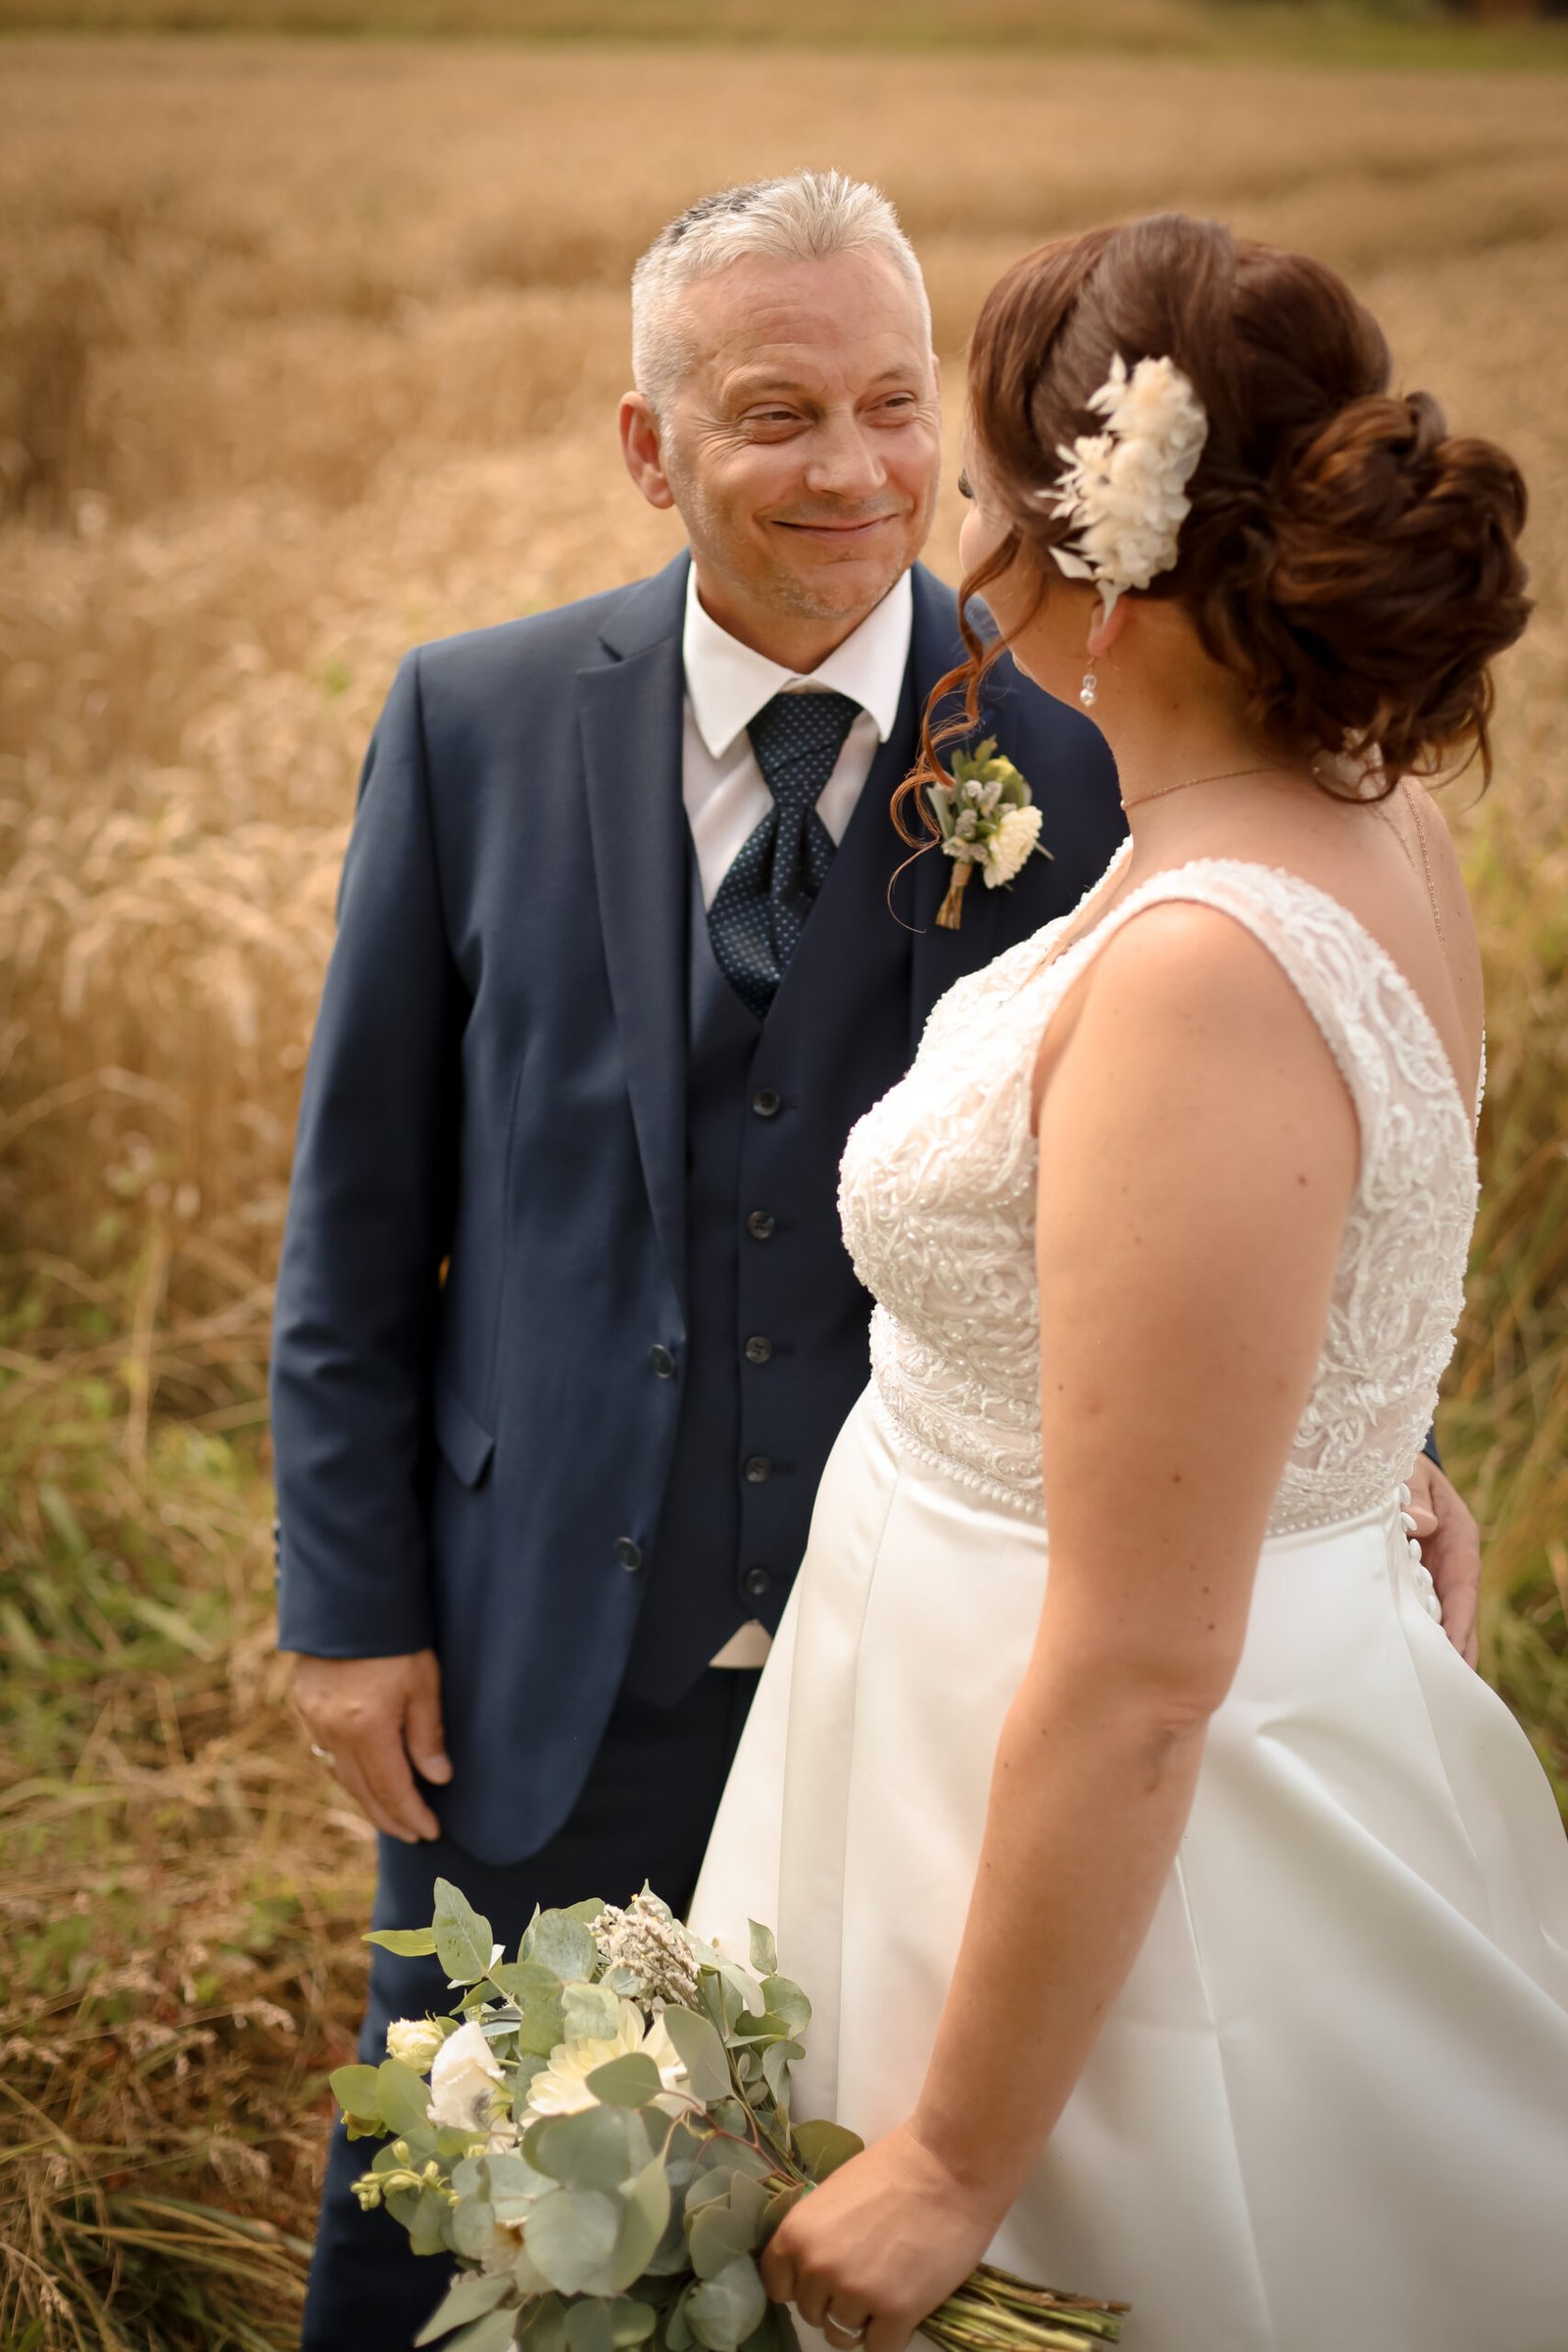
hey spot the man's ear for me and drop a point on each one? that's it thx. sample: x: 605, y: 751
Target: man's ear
x: 642, y: 447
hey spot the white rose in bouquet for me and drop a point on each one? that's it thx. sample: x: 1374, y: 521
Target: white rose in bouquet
x: 463, y: 2078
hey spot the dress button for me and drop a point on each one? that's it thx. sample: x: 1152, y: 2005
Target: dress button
x: 758, y: 1469
x: 757, y: 1581
x: 759, y: 1225
x: 766, y: 1104
x: 662, y: 1363
x: 758, y: 1350
x: 628, y: 1554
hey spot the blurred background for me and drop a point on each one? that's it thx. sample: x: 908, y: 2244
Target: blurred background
x: 311, y: 335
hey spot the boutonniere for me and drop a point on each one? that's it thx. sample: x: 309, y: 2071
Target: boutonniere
x: 988, y: 819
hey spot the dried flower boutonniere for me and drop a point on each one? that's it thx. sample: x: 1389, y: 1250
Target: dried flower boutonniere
x: 988, y: 819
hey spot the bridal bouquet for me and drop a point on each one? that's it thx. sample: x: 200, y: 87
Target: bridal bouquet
x: 601, y: 2133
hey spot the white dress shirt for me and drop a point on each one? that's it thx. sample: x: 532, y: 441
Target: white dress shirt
x: 728, y: 684
x: 726, y: 798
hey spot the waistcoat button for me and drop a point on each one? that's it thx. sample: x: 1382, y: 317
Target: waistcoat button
x: 662, y: 1363
x: 759, y: 1225
x: 758, y: 1350
x: 766, y: 1104
x: 757, y: 1581
x: 758, y: 1469
x: 628, y: 1554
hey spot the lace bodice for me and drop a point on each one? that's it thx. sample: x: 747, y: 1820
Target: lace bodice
x: 938, y: 1185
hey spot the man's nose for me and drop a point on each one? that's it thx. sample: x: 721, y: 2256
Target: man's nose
x: 844, y: 461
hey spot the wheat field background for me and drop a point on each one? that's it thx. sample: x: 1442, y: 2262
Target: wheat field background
x: 309, y: 350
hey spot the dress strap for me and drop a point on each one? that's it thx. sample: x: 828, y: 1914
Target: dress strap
x: 1374, y: 1023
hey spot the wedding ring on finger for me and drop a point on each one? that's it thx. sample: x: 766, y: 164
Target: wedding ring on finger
x: 839, y: 2335
x: 324, y: 1753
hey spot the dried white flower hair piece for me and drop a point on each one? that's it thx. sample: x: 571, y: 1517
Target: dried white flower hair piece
x: 1123, y: 490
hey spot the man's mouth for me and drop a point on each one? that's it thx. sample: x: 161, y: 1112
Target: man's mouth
x: 842, y: 532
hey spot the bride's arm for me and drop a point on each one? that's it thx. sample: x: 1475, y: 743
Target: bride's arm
x: 1198, y: 1153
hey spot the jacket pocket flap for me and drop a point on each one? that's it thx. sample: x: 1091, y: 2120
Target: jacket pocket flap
x: 466, y: 1443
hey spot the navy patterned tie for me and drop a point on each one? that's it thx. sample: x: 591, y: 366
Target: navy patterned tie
x: 761, y: 906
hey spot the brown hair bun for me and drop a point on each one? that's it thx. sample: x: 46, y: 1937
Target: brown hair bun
x: 1384, y: 580
x: 1353, y: 566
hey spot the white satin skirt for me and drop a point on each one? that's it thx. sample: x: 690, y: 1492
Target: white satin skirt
x: 1329, y: 2110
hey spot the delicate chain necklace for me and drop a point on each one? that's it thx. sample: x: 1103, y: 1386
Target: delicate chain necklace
x: 1225, y: 775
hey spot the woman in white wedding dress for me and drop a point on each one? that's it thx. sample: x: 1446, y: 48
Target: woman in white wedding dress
x: 1184, y: 1920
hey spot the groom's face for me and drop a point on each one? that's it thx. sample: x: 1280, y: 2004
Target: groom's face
x: 803, y: 444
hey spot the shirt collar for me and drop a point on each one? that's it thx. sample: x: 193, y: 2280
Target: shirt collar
x: 727, y: 683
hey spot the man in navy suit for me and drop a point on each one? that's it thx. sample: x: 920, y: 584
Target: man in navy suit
x: 564, y: 1325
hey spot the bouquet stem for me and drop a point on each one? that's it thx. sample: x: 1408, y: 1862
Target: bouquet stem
x: 995, y: 2312
x: 950, y: 914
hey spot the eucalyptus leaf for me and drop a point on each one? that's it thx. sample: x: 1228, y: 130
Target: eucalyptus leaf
x: 765, y: 1951
x: 571, y: 2237
x: 824, y: 2146
x: 542, y: 2026
x: 631, y: 2321
x: 411, y: 1943
x: 468, y: 2297
x: 678, y: 2336
x: 493, y: 2333
x: 718, y: 2238
x: 646, y: 2216
x: 589, y: 2328
x: 543, y: 2325
x: 711, y: 2186
x: 599, y: 2148
x: 474, y: 2228
x: 591, y: 2013
x: 563, y: 1943
x: 701, y: 2050
x: 629, y: 2082
x: 776, y: 2064
x: 464, y: 1943
x: 524, y: 1981
x: 724, y: 2311
x: 357, y: 2091
x: 404, y: 2099
x: 587, y: 1911
x: 424, y: 2215
x: 752, y: 2200
x: 787, y: 2003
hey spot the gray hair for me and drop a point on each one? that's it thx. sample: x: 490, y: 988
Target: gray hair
x: 808, y: 217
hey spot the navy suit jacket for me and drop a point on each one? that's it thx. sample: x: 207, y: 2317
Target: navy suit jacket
x: 486, y: 1231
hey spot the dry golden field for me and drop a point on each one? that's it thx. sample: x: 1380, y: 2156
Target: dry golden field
x: 307, y: 352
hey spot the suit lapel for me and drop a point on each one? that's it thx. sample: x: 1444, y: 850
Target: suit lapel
x: 631, y: 718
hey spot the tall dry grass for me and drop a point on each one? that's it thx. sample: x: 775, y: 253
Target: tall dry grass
x: 310, y: 354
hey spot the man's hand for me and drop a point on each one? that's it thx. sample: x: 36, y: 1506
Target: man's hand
x: 1450, y: 1546
x: 373, y: 1716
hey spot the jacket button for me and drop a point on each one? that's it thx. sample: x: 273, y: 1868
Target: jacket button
x: 628, y: 1554
x: 759, y: 1225
x: 757, y: 1581
x: 766, y: 1104
x: 758, y: 1469
x: 759, y: 1350
x: 662, y: 1363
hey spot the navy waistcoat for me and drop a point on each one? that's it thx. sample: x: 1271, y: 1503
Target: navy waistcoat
x: 775, y: 1348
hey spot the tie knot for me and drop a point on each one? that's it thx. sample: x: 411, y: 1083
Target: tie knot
x: 797, y: 738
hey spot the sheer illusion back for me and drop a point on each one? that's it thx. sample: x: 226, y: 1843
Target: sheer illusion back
x: 938, y: 1199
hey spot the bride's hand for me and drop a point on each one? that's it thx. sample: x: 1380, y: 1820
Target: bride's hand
x: 883, y: 2242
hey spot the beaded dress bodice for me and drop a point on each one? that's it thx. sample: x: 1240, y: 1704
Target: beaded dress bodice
x: 938, y: 1197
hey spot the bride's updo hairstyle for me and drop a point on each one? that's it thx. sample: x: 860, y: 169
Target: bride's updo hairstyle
x: 1349, y: 562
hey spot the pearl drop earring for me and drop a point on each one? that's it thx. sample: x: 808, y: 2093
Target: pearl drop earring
x: 1089, y: 691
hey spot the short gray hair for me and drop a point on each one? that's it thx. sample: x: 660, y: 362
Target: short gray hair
x: 807, y: 216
